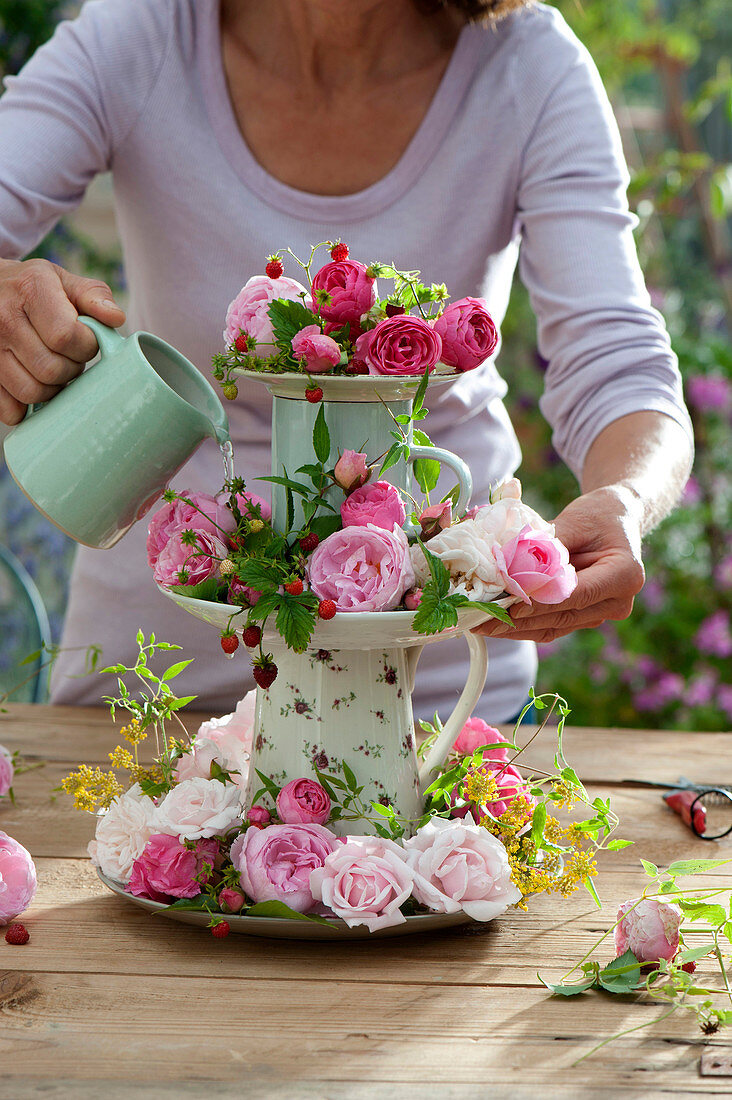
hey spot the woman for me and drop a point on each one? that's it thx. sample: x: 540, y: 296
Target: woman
x: 417, y: 136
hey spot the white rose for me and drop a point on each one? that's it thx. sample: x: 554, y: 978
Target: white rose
x: 199, y: 808
x: 460, y: 866
x: 510, y: 489
x: 122, y: 833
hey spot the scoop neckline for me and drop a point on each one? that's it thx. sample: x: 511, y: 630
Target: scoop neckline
x: 420, y: 151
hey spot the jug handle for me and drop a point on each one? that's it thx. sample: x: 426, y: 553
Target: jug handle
x: 463, y: 708
x: 109, y: 339
x: 458, y: 467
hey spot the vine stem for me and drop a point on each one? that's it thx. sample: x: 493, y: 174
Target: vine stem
x: 628, y: 1031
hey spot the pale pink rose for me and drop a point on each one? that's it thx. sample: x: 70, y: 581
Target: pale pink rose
x: 245, y: 501
x: 458, y: 865
x: 231, y: 901
x: 413, y: 599
x: 17, y: 878
x: 239, y: 724
x: 249, y: 310
x: 400, y: 345
x: 122, y: 832
x: 362, y: 568
x: 648, y: 928
x: 511, y: 787
x: 226, y: 741
x: 179, y: 563
x: 259, y: 816
x: 510, y: 489
x: 204, y: 513
x: 351, y: 471
x: 468, y: 333
x: 364, y: 882
x: 379, y: 503
x: 199, y: 808
x: 351, y: 290
x: 434, y: 519
x: 303, y: 802
x: 7, y: 771
x: 321, y: 353
x: 167, y: 869
x: 477, y: 734
x: 535, y: 565
x: 275, y: 863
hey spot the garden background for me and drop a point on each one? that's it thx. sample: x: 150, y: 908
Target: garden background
x: 667, y: 68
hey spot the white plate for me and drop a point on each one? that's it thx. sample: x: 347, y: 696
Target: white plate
x: 283, y: 929
x: 344, y: 387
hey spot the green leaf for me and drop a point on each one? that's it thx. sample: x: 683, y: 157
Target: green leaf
x: 205, y: 590
x: 438, y: 571
x: 280, y: 910
x: 269, y: 785
x: 323, y: 526
x: 695, y: 953
x: 296, y: 620
x: 493, y: 609
x: 175, y: 670
x: 538, y: 821
x: 571, y: 776
x: 183, y: 701
x: 616, y: 845
x: 296, y: 486
x: 350, y: 777
x: 433, y: 615
x: 694, y: 866
x: 287, y: 319
x: 567, y: 990
x: 715, y: 915
x: 259, y: 574
x: 201, y: 903
x: 622, y: 975
x: 321, y: 436
x: 650, y: 868
x: 727, y: 930
x: 418, y: 403
x: 426, y: 470
x: 590, y: 887
x: 264, y: 607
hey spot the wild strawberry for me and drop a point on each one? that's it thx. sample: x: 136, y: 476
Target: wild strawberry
x: 265, y: 672
x: 394, y: 311
x: 274, y: 267
x: 357, y: 366
x: 339, y: 252
x: 251, y: 636
x: 241, y: 342
x: 326, y: 609
x: 689, y: 967
x: 227, y: 567
x: 229, y: 643
x: 17, y: 934
x: 294, y: 587
x: 221, y: 929
x: 314, y: 394
x: 230, y: 391
x: 309, y: 542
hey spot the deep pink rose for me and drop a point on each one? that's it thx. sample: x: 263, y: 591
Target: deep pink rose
x: 535, y: 565
x: 303, y: 802
x: 275, y: 863
x: 250, y: 309
x: 7, y: 771
x: 511, y: 787
x: 259, y: 816
x: 400, y: 345
x: 231, y: 901
x: 379, y: 503
x: 17, y: 878
x: 648, y: 928
x: 204, y: 513
x: 362, y: 568
x: 179, y: 563
x: 435, y: 519
x: 468, y: 334
x: 167, y: 869
x: 351, y: 471
x: 321, y: 353
x: 476, y: 734
x: 351, y: 290
x: 364, y: 882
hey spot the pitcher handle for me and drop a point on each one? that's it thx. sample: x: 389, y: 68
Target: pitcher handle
x: 109, y: 339
x: 458, y: 467
x: 463, y: 709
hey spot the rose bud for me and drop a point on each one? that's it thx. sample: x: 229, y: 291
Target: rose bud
x: 232, y: 900
x: 435, y: 518
x: 259, y: 816
x: 648, y: 928
x: 413, y: 599
x: 351, y: 471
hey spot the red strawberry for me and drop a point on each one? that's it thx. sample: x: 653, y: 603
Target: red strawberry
x: 689, y: 967
x: 294, y: 587
x: 309, y: 542
x: 221, y: 929
x: 357, y: 366
x: 274, y: 267
x: 251, y: 636
x: 339, y: 251
x: 326, y: 609
x: 17, y: 934
x: 229, y: 643
x: 394, y: 311
x: 265, y: 673
x: 314, y: 394
x: 241, y: 342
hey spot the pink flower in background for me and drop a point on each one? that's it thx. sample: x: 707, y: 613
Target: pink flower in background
x: 321, y: 353
x: 714, y: 637
x: 122, y: 833
x: 250, y: 309
x: 303, y: 802
x: 379, y: 503
x: 167, y: 869
x: 199, y: 808
x: 351, y: 290
x: 666, y: 689
x: 692, y: 493
x: 434, y: 519
x: 700, y: 689
x: 458, y: 865
x: 362, y: 568
x: 653, y: 594
x: 205, y: 513
x: 352, y: 471
x: 244, y: 503
x: 476, y: 734
x: 511, y: 786
x: 364, y: 882
x: 7, y: 771
x: 413, y: 599
x: 708, y: 393
x: 468, y: 333
x: 648, y: 928
x: 400, y: 345
x: 724, y: 699
x: 535, y: 565
x: 17, y: 878
x: 179, y: 563
x: 275, y: 863
x: 723, y: 575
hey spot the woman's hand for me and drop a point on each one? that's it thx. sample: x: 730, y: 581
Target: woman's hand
x: 42, y: 343
x: 602, y: 531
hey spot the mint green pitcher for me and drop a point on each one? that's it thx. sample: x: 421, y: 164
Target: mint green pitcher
x: 96, y: 456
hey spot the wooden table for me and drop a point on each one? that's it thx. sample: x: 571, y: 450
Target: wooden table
x: 107, y: 1001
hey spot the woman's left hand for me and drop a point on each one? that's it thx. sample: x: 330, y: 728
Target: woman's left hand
x: 602, y: 531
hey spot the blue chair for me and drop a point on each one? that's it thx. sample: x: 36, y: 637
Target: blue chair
x: 24, y: 628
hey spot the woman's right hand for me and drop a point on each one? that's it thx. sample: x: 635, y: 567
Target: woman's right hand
x: 43, y: 345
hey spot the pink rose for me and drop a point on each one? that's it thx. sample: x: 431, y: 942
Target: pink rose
x: 7, y: 771
x: 231, y: 901
x: 303, y: 802
x: 511, y: 787
x: 204, y: 513
x: 379, y: 504
x: 259, y: 816
x: 226, y: 741
x: 238, y: 725
x: 364, y: 882
x: 321, y: 353
x: 362, y: 568
x: 535, y: 565
x: 351, y: 471
x: 413, y: 599
x: 435, y: 519
x: 468, y: 334
x: 17, y: 878
x: 351, y: 290
x: 167, y: 869
x: 239, y: 593
x: 199, y: 808
x: 179, y: 563
x: 648, y: 928
x: 459, y: 865
x: 275, y: 863
x: 244, y: 503
x: 250, y: 309
x: 477, y: 734
x: 400, y: 345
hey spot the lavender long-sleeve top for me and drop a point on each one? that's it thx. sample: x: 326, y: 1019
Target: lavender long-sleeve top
x: 518, y: 158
